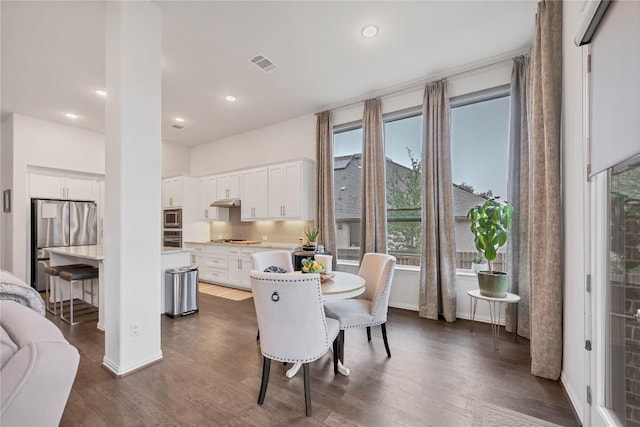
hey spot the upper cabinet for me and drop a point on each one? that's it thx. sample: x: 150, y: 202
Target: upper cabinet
x: 172, y: 192
x: 254, y: 186
x: 207, y: 194
x: 62, y: 186
x: 228, y: 186
x: 181, y: 192
x: 291, y: 191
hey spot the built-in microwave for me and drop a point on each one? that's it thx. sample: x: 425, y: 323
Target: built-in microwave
x: 172, y: 218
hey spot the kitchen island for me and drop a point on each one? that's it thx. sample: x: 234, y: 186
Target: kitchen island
x: 94, y: 255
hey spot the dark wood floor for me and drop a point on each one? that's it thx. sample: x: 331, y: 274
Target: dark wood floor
x: 210, y: 375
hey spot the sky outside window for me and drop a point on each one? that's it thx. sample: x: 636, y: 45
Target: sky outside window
x: 480, y: 145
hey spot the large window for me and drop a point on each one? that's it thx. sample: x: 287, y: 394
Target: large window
x: 347, y: 187
x: 479, y: 149
x: 479, y: 156
x: 403, y: 150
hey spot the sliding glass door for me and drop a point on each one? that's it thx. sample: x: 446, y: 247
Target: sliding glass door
x: 622, y: 361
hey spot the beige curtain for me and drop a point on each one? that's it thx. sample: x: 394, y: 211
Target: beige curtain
x: 325, y: 211
x: 546, y: 214
x: 437, y: 270
x: 373, y: 228
x: 518, y: 195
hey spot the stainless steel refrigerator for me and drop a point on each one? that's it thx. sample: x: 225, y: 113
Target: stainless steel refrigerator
x: 57, y: 223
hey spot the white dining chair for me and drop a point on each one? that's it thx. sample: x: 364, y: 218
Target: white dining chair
x: 372, y: 307
x: 292, y: 323
x: 263, y: 260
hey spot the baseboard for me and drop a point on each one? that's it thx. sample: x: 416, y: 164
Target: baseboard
x: 404, y: 306
x: 120, y: 372
x: 467, y: 316
x: 573, y: 399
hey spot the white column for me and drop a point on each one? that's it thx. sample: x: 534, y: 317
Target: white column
x: 133, y: 177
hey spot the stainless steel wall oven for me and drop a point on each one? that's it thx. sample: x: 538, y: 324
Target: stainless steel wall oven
x: 172, y: 238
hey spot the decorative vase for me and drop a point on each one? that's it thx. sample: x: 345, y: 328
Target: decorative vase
x: 494, y: 284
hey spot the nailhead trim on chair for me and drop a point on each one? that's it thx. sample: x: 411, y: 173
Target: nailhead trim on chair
x: 324, y: 321
x: 376, y: 308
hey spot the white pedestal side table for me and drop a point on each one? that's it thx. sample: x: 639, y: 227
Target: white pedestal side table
x: 495, y: 309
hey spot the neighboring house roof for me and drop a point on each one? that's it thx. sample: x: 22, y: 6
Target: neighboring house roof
x: 348, y: 177
x: 463, y: 200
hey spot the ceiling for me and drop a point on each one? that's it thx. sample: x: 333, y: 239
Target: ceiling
x: 53, y: 56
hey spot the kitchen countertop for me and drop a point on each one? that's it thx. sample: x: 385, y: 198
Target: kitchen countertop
x: 96, y: 252
x: 254, y: 245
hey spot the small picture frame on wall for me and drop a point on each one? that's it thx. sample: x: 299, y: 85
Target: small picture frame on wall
x: 6, y: 200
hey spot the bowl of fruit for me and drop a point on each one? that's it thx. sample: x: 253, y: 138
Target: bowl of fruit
x: 311, y: 266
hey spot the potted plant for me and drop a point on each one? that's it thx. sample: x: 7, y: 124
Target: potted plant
x: 490, y: 224
x: 312, y: 235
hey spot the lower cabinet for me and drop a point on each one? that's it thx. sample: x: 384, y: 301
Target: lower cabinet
x: 239, y: 267
x: 224, y: 265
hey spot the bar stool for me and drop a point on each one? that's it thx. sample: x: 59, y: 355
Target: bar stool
x: 53, y: 273
x: 72, y: 275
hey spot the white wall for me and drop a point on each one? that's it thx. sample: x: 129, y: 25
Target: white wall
x: 176, y: 159
x: 289, y: 140
x: 575, y: 206
x: 28, y: 142
x: 6, y: 178
x: 473, y: 81
x: 44, y: 144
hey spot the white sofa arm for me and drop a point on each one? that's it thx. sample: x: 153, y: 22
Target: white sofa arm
x: 37, y: 378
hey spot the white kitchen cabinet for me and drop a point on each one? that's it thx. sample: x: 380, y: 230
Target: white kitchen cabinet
x: 207, y: 194
x: 62, y: 186
x: 172, y: 192
x: 182, y: 192
x: 240, y: 265
x: 210, y: 260
x: 215, y: 268
x: 254, y: 194
x: 228, y: 265
x: 81, y: 189
x: 235, y: 268
x: 228, y: 186
x: 291, y: 191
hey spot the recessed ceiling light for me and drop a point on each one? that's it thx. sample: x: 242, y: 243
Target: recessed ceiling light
x: 101, y: 93
x: 369, y: 31
x: 71, y: 116
x: 179, y: 119
x: 230, y: 98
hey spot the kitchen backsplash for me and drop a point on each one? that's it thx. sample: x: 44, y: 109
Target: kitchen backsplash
x: 276, y: 231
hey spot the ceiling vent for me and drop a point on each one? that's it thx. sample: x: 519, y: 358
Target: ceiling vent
x: 177, y: 127
x: 263, y: 63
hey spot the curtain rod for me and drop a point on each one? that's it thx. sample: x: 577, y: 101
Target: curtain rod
x: 420, y: 83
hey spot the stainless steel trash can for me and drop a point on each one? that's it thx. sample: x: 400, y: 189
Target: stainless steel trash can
x: 181, y: 291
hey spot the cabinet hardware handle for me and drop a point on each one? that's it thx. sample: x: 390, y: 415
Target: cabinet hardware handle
x: 206, y: 213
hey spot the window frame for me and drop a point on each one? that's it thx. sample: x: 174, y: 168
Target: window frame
x: 484, y: 95
x: 394, y: 116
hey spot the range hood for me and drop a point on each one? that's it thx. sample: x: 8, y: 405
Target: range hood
x: 226, y: 203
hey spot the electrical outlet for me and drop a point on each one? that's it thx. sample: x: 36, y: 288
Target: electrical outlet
x: 135, y: 329
x: 265, y: 238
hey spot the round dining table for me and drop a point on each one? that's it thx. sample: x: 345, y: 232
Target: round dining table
x: 336, y: 285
